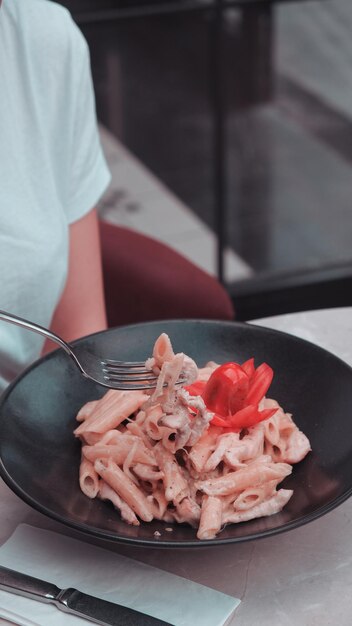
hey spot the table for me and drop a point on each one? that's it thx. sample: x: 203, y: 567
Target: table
x: 299, y: 578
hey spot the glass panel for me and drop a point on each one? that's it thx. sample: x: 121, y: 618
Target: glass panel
x: 288, y: 93
x: 290, y: 181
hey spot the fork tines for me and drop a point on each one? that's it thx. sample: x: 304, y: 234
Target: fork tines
x: 130, y: 374
x: 125, y: 364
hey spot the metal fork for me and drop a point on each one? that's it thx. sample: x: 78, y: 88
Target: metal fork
x: 124, y: 375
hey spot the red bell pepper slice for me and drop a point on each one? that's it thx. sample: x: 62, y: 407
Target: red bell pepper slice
x: 226, y: 389
x: 219, y: 421
x: 259, y: 384
x: 245, y: 418
x: 196, y: 388
x: 249, y: 416
x: 248, y: 367
x: 233, y: 393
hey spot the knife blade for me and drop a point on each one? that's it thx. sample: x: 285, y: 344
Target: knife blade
x: 72, y: 601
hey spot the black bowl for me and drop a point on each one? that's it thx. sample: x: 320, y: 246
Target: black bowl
x: 40, y: 456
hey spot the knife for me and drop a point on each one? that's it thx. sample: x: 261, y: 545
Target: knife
x: 73, y: 601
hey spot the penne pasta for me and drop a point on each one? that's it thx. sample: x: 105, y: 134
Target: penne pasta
x: 187, y: 511
x: 167, y: 456
x: 225, y: 445
x: 107, y: 493
x: 112, y: 413
x: 252, y: 496
x: 145, y: 472
x: 175, y: 485
x: 163, y: 350
x: 118, y: 452
x: 124, y: 487
x: 86, y: 410
x: 151, y: 424
x: 159, y: 505
x: 254, y: 474
x: 88, y: 478
x: 297, y: 447
x: 210, y: 518
x: 202, y: 450
x: 269, y: 507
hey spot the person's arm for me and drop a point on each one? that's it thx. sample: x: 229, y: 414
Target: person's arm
x: 81, y: 309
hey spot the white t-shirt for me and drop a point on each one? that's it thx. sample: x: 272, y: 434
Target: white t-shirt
x: 52, y: 170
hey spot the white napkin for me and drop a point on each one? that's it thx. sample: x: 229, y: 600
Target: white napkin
x: 68, y: 562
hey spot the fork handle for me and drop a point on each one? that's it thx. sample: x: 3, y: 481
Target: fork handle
x: 20, y: 321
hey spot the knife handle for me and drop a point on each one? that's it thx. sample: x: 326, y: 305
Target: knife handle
x: 28, y: 586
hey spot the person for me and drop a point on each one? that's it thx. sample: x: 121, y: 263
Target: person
x: 52, y: 174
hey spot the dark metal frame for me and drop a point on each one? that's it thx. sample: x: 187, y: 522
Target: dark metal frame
x: 316, y: 289
x: 257, y: 25
x: 215, y: 8
x: 162, y: 8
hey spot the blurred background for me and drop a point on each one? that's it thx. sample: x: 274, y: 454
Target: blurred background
x: 228, y: 130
